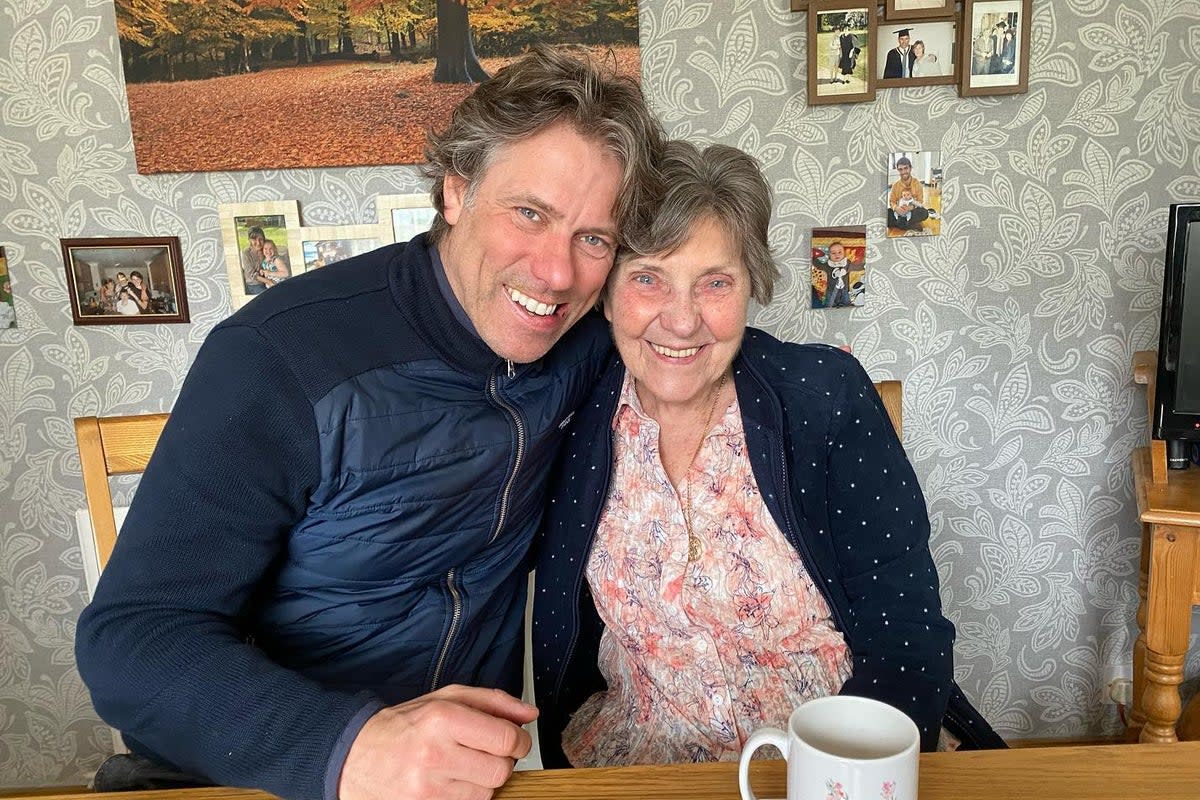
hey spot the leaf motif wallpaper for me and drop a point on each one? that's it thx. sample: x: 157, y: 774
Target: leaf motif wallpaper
x: 1013, y: 331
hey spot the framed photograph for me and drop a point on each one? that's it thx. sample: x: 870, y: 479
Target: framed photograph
x: 122, y: 281
x: 403, y: 216
x: 8, y: 311
x: 262, y: 246
x: 839, y: 266
x: 841, y: 44
x: 914, y: 194
x: 994, y: 43
x: 322, y: 245
x: 918, y: 9
x: 918, y: 53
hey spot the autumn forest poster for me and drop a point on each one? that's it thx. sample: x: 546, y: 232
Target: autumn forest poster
x: 217, y: 85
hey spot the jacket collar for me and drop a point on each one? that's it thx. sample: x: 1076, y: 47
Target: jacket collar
x: 416, y: 294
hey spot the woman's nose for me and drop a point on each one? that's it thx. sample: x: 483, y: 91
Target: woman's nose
x: 682, y: 314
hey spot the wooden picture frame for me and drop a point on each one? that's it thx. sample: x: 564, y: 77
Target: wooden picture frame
x: 992, y: 58
x: 901, y: 10
x: 321, y: 245
x: 278, y: 221
x: 840, y: 63
x: 125, y: 280
x: 403, y: 216
x: 938, y: 38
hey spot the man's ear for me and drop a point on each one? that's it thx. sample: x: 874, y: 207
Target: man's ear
x: 454, y: 197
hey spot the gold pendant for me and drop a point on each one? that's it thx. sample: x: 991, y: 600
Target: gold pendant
x: 693, y: 547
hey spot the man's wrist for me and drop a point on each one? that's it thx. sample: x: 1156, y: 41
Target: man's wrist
x: 341, y: 748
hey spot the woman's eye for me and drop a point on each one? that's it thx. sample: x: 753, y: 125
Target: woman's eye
x: 645, y: 280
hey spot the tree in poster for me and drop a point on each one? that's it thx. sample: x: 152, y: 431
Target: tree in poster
x: 456, y: 59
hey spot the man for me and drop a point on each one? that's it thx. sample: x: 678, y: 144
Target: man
x: 905, y: 215
x: 252, y: 258
x: 900, y: 58
x: 331, y: 537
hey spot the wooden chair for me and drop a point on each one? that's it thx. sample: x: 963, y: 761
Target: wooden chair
x: 112, y: 446
x: 893, y: 400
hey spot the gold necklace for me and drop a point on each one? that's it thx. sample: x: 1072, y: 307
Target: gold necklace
x: 694, y: 545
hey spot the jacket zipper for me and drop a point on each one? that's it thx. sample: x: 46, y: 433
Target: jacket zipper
x: 805, y: 555
x: 512, y: 477
x: 455, y: 617
x: 455, y: 595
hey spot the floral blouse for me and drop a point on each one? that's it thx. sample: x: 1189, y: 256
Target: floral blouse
x: 697, y: 655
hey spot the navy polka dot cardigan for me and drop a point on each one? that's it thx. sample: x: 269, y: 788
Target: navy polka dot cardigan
x: 838, y: 484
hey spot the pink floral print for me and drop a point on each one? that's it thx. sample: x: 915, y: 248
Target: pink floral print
x: 696, y: 654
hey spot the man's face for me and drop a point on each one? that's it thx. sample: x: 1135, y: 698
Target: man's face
x: 905, y: 171
x: 903, y: 41
x: 837, y: 252
x: 531, y: 243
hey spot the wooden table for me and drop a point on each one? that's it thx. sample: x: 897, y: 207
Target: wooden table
x: 1107, y: 772
x: 1168, y: 587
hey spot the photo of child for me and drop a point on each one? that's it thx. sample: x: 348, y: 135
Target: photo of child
x: 839, y: 266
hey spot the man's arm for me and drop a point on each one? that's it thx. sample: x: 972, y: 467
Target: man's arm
x: 162, y: 647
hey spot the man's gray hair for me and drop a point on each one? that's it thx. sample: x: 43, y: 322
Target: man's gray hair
x: 544, y: 87
x: 720, y: 182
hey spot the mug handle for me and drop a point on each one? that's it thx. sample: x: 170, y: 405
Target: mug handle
x: 760, y: 737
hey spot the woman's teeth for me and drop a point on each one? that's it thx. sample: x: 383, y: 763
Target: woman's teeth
x: 531, y: 305
x: 669, y: 353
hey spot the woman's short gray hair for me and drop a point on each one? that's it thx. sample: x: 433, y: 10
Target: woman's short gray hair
x: 720, y: 182
x: 544, y: 87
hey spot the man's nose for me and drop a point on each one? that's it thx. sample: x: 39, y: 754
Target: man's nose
x: 553, y: 263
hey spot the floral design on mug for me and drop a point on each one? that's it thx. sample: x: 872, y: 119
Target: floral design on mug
x: 834, y: 790
x: 889, y: 791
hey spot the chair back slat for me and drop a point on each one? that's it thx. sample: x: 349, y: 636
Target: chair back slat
x: 112, y: 446
x: 892, y: 395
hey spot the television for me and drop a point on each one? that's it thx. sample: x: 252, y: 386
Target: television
x: 1177, y: 392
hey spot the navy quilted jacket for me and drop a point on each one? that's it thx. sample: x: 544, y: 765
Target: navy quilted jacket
x: 837, y: 483
x: 337, y: 517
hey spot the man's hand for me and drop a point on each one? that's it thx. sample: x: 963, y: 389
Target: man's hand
x: 458, y: 743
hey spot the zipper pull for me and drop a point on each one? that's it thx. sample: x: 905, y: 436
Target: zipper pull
x: 511, y: 370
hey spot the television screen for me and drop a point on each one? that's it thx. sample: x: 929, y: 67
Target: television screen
x: 1187, y: 381
x: 1177, y: 394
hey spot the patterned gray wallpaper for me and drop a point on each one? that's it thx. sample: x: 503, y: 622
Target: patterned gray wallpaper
x: 1013, y: 330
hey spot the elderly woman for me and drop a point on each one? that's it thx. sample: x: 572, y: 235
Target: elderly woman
x: 735, y: 528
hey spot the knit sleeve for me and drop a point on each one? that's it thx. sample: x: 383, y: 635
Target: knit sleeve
x: 163, y: 645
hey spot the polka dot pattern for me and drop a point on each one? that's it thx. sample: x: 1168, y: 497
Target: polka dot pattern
x: 838, y: 484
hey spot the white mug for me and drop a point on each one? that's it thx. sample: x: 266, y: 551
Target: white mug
x: 842, y: 748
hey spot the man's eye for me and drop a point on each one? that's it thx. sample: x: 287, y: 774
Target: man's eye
x: 645, y: 280
x: 593, y: 241
x: 528, y: 213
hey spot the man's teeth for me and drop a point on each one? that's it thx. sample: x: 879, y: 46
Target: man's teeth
x: 531, y: 305
x: 669, y: 353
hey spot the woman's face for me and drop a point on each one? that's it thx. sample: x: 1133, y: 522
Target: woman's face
x: 918, y: 50
x: 678, y: 319
x: 136, y: 280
